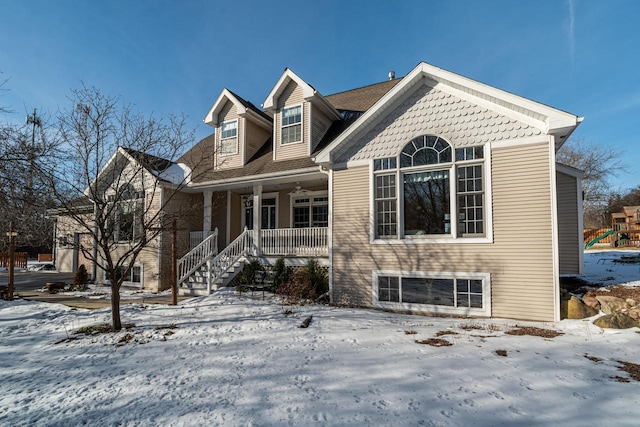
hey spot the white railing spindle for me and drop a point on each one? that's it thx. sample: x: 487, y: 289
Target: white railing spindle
x: 310, y: 241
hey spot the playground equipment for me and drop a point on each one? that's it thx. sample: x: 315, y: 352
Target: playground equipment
x: 597, y: 239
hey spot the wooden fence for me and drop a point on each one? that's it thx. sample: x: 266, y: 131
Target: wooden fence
x: 592, y: 233
x: 20, y: 259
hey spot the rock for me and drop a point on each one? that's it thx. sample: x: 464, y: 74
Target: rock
x: 634, y: 312
x: 576, y: 309
x: 610, y: 305
x: 591, y: 301
x: 615, y: 321
x: 54, y: 287
x: 631, y: 302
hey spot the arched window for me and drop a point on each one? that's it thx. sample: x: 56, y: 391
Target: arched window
x: 425, y: 150
x: 417, y: 198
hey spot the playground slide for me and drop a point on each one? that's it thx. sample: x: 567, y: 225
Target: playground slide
x: 597, y: 239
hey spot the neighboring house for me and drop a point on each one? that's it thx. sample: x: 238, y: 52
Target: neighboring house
x: 431, y: 193
x: 626, y: 227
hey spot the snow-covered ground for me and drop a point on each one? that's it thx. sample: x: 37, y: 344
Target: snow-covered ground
x: 234, y: 360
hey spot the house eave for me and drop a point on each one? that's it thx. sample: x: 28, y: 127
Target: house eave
x: 244, y: 181
x: 547, y: 119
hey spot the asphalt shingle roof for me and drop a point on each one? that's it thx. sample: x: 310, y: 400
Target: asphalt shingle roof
x: 200, y: 158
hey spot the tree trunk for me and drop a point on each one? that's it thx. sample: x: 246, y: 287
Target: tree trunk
x: 116, y: 323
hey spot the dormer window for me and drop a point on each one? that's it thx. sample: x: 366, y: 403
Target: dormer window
x: 229, y: 137
x: 291, y: 125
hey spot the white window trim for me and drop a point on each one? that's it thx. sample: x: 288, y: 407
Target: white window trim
x: 434, y: 239
x: 427, y: 308
x: 222, y: 154
x: 302, y: 132
x: 306, y: 195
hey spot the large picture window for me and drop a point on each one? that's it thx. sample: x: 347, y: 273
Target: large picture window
x: 439, y: 292
x: 430, y: 190
x: 291, y: 130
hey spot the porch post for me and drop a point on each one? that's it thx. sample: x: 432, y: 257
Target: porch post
x: 257, y: 210
x: 206, y: 222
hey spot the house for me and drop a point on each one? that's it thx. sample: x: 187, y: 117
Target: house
x: 430, y: 193
x: 626, y: 227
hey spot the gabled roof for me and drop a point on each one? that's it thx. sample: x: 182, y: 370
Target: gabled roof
x: 151, y: 163
x: 547, y: 119
x: 243, y: 107
x: 362, y: 98
x: 308, y: 93
x: 630, y: 210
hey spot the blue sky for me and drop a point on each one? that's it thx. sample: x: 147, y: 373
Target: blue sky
x: 581, y: 56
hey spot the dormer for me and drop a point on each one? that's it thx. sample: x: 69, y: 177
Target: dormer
x: 240, y: 130
x: 301, y: 117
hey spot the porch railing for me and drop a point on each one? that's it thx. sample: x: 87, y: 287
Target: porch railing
x: 311, y: 241
x: 197, y: 237
x: 195, y: 257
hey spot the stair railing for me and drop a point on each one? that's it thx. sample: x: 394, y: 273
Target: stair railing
x: 222, y: 262
x: 197, y: 257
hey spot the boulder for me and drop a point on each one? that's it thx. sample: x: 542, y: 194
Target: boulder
x: 54, y: 287
x: 634, y: 312
x: 631, y: 302
x: 615, y: 321
x: 610, y: 305
x: 576, y: 309
x: 591, y: 301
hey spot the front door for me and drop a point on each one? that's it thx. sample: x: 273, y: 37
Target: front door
x: 268, y: 213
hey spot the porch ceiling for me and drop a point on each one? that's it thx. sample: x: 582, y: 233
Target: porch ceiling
x: 313, y: 178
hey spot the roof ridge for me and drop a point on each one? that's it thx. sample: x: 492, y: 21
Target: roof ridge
x: 363, y: 87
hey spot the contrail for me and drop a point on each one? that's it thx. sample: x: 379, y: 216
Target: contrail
x: 572, y: 38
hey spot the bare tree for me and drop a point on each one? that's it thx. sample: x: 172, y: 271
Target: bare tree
x: 117, y: 180
x: 3, y: 82
x: 25, y: 151
x: 599, y: 164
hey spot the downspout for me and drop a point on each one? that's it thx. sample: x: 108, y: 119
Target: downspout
x: 329, y: 173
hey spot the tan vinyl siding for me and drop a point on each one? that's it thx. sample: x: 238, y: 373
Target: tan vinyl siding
x: 569, y: 234
x: 66, y: 255
x: 228, y: 161
x: 291, y: 96
x: 255, y: 138
x: 319, y: 126
x: 519, y: 261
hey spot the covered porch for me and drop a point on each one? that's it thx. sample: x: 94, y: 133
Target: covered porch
x: 292, y: 221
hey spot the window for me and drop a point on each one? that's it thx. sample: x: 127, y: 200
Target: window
x: 229, y: 137
x: 65, y: 241
x: 291, y: 125
x: 134, y: 278
x: 310, y: 211
x: 440, y: 292
x: 419, y: 192
x: 126, y: 224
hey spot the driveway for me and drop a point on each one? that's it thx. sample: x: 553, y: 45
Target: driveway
x: 28, y: 285
x: 33, y: 280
